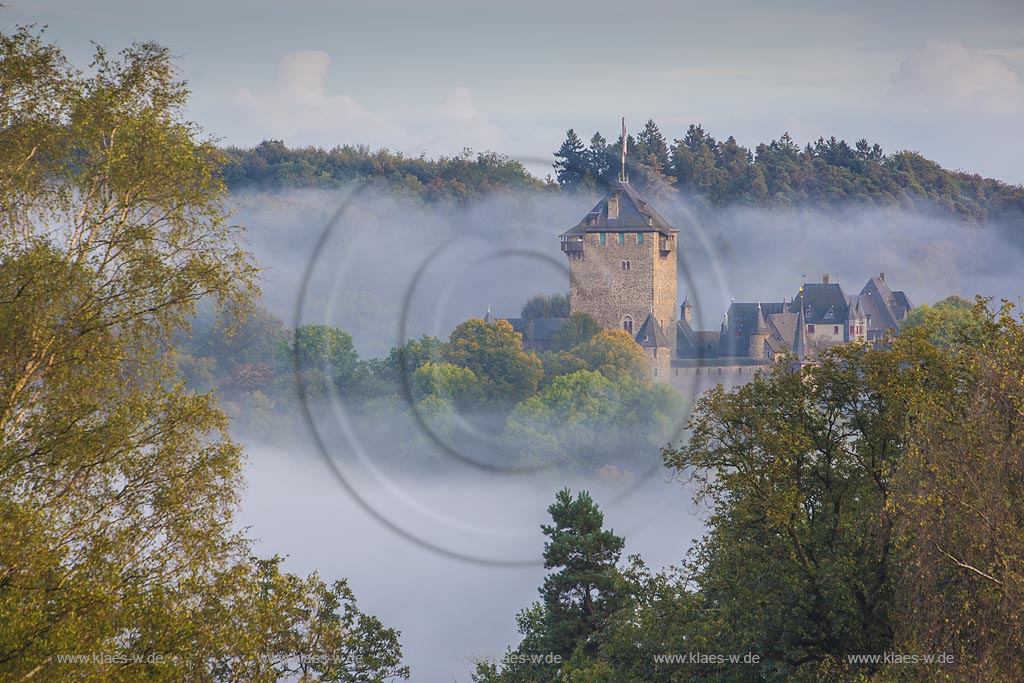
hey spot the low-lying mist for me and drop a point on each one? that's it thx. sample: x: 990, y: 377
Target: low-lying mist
x: 448, y: 548
x: 385, y: 268
x: 448, y: 608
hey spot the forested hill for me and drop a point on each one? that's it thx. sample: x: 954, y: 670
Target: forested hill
x: 462, y: 178
x: 779, y: 173
x: 782, y: 174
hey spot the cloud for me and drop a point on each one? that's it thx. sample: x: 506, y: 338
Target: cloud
x: 949, y: 78
x: 457, y: 123
x: 298, y: 110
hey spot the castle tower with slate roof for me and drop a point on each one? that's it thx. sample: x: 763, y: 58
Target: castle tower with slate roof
x: 622, y: 261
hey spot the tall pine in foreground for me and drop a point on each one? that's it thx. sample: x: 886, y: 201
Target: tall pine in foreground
x: 578, y: 598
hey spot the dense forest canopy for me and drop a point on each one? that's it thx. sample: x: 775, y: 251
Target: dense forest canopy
x: 272, y: 165
x: 780, y: 173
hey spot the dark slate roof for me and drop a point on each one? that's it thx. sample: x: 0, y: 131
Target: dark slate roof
x: 887, y: 308
x: 651, y: 334
x: 706, y: 338
x: 520, y: 325
x: 783, y: 331
x: 544, y: 329
x: 635, y: 215
x: 686, y: 340
x: 823, y: 303
x: 800, y: 336
x: 745, y: 319
x: 537, y: 329
x: 692, y: 343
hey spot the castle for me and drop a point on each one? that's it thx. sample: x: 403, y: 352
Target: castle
x: 623, y: 259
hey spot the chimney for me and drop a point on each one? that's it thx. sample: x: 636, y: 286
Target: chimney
x: 881, y: 276
x: 824, y: 279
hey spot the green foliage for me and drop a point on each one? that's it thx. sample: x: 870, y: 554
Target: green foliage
x: 954, y: 321
x: 447, y: 382
x: 781, y: 174
x: 328, y: 350
x: 117, y: 485
x: 796, y: 467
x: 403, y: 360
x: 493, y: 351
x: 615, y: 355
x: 540, y: 306
x: 579, y: 329
x: 459, y: 179
x: 958, y: 501
x: 304, y: 629
x: 571, y: 167
x: 583, y: 420
x: 580, y: 595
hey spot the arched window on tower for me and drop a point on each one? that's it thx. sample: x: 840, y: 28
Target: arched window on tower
x: 627, y: 324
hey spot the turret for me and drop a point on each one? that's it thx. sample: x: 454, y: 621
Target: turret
x: 759, y: 337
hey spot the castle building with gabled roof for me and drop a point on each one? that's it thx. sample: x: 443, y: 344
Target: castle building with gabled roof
x: 623, y: 259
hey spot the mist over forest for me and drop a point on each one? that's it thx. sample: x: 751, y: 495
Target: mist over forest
x: 387, y: 267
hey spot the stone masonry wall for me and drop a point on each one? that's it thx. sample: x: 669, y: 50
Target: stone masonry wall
x: 602, y: 288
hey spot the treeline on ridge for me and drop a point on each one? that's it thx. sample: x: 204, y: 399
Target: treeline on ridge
x: 779, y: 173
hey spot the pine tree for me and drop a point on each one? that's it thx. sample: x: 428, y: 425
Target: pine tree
x: 572, y: 168
x: 580, y: 596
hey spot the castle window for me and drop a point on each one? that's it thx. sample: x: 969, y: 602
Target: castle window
x: 604, y: 237
x: 810, y: 329
x: 627, y: 324
x: 622, y: 238
x: 655, y: 349
x: 639, y: 238
x: 625, y: 265
x: 835, y: 329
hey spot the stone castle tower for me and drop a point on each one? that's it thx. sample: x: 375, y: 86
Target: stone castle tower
x: 622, y: 268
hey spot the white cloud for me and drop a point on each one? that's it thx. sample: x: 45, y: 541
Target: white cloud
x: 297, y: 109
x: 457, y: 123
x: 950, y: 78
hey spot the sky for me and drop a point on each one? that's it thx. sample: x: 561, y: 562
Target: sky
x: 941, y: 78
